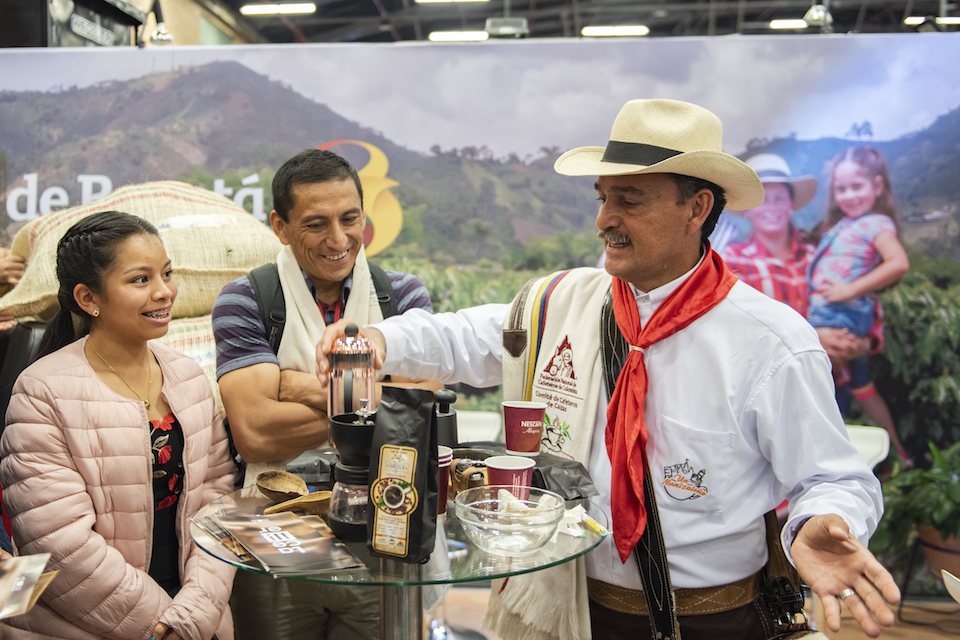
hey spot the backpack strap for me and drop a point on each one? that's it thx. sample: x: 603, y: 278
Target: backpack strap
x: 265, y: 281
x: 384, y: 288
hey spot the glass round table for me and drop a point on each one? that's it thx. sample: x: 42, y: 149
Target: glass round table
x: 455, y: 560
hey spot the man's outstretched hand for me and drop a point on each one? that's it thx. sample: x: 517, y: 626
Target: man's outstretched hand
x: 336, y: 331
x: 830, y: 561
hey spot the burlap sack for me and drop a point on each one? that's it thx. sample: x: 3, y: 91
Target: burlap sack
x: 209, y: 239
x: 194, y: 337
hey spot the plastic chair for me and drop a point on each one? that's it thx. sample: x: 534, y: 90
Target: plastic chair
x: 474, y: 426
x: 872, y: 443
x: 953, y: 584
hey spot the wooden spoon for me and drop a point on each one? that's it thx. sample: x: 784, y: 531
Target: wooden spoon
x: 281, y: 485
x: 317, y: 503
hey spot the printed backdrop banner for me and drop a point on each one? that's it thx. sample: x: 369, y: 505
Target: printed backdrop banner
x: 455, y: 143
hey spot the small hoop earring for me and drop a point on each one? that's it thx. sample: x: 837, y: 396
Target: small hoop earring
x: 96, y: 313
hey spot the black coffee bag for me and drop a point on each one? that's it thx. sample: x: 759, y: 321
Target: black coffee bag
x: 402, y: 516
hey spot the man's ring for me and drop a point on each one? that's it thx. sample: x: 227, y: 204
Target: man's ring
x: 846, y: 593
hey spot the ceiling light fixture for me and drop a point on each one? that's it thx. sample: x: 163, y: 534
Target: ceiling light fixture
x: 818, y: 15
x: 288, y: 8
x: 161, y: 35
x: 458, y: 36
x: 788, y: 24
x: 914, y: 21
x: 619, y: 31
x: 506, y: 27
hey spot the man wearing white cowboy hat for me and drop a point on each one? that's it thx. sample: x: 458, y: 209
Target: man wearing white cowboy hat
x: 725, y: 396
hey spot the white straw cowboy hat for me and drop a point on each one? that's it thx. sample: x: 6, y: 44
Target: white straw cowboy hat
x: 772, y: 168
x: 667, y: 136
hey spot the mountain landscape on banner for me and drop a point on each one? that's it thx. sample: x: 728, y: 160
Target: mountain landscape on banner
x: 224, y: 122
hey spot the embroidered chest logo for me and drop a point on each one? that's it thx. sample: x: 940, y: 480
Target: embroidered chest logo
x: 561, y: 364
x: 682, y: 483
x: 556, y: 384
x: 558, y: 374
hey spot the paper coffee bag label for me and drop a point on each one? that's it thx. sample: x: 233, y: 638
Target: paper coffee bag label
x: 394, y: 498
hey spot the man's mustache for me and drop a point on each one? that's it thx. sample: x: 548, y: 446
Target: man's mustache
x: 613, y: 237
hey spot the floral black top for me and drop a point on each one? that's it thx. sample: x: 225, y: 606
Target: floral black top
x: 166, y: 443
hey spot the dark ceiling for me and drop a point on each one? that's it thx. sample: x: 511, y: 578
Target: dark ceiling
x: 396, y: 20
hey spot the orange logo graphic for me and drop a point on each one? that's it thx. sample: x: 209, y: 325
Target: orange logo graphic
x: 384, y: 214
x: 683, y: 482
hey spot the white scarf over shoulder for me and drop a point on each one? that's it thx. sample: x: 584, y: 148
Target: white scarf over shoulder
x: 561, y: 366
x: 561, y: 363
x: 304, y: 324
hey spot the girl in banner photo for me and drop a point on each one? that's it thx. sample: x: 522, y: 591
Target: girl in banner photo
x: 858, y: 255
x: 113, y: 442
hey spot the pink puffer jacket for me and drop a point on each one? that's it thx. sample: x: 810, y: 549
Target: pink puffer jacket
x: 76, y: 474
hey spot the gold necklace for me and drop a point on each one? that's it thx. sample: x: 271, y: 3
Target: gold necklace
x: 146, y: 403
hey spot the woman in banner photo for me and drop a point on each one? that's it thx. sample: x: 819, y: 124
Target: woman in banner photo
x: 112, y: 444
x: 858, y: 255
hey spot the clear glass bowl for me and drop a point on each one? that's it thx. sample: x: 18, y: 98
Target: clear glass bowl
x: 500, y: 524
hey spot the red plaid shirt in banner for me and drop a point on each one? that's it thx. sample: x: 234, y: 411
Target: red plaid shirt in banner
x: 783, y: 280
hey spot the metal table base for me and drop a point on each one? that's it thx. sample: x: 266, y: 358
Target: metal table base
x: 401, y: 608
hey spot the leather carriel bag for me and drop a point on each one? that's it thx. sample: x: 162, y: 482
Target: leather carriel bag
x: 780, y: 594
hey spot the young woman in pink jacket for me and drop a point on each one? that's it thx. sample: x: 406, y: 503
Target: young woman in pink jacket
x: 111, y: 444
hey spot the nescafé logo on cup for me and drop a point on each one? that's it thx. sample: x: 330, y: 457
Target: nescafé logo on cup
x: 531, y: 426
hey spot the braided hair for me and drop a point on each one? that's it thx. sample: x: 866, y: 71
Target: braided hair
x: 85, y: 254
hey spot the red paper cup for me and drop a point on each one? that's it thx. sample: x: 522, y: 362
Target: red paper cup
x: 523, y: 427
x: 511, y: 471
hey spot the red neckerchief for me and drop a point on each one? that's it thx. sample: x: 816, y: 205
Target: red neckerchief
x: 626, y: 435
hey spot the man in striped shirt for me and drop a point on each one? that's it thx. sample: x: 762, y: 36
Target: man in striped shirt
x: 276, y: 406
